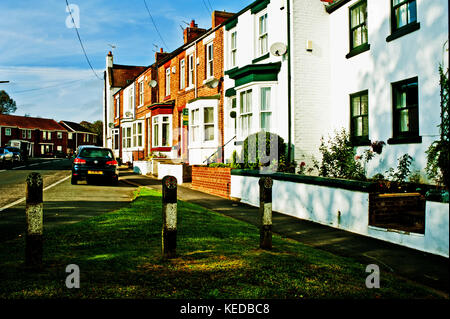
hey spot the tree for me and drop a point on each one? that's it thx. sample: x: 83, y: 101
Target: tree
x: 7, y: 104
x: 96, y: 127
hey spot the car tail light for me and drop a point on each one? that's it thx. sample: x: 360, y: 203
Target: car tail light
x: 112, y: 163
x: 79, y: 161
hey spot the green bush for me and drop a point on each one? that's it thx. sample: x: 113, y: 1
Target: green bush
x: 339, y: 158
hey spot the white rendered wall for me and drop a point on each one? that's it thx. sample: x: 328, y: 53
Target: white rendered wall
x: 322, y: 204
x: 415, y: 54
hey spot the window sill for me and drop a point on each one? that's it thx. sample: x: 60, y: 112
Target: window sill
x: 189, y: 88
x: 405, y: 140
x: 261, y: 58
x: 167, y: 97
x: 162, y: 149
x: 360, y: 142
x: 360, y: 49
x: 403, y: 31
x: 208, y: 80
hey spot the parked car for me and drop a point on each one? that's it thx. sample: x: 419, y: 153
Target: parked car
x: 81, y: 147
x: 6, y: 157
x: 95, y: 163
x: 17, y: 153
x: 59, y: 154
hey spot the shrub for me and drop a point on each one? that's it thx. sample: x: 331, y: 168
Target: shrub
x: 339, y: 158
x: 403, y: 170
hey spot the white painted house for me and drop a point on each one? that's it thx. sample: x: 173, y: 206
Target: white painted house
x: 370, y: 67
x: 256, y: 81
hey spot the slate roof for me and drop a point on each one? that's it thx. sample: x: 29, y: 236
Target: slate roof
x: 75, y: 127
x: 120, y: 74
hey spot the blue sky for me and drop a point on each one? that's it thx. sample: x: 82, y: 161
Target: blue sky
x: 42, y: 58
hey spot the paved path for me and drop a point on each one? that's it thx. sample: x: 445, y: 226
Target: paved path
x: 423, y: 268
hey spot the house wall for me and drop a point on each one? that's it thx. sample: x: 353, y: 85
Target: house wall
x: 415, y: 54
x: 247, y: 34
x: 311, y: 73
x: 345, y: 209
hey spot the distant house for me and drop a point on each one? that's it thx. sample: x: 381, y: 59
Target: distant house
x: 45, y: 135
x: 78, y: 135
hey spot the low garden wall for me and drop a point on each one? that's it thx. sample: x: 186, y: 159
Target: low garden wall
x: 213, y: 180
x: 181, y: 171
x: 344, y: 204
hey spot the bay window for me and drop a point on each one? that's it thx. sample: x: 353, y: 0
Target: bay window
x: 162, y: 135
x: 245, y: 116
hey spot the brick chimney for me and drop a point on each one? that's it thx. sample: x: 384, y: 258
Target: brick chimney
x: 160, y: 55
x: 219, y: 17
x: 192, y: 32
x: 109, y: 60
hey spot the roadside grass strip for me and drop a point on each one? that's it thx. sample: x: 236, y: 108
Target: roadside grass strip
x: 119, y: 256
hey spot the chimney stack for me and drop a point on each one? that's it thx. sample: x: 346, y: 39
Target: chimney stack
x: 160, y: 55
x: 109, y: 60
x: 219, y: 17
x: 192, y: 32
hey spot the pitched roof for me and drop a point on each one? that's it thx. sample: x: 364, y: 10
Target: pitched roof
x: 74, y: 127
x: 25, y: 122
x: 120, y: 74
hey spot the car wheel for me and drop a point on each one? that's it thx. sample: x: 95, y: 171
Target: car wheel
x: 73, y: 180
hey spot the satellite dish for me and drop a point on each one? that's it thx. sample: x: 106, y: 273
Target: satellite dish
x: 278, y: 49
x: 213, y: 83
x: 153, y: 83
x: 128, y: 113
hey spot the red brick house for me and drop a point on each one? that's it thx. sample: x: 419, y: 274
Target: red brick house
x: 78, y: 135
x: 175, y: 107
x: 45, y: 135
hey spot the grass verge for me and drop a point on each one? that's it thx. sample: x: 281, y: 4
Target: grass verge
x: 119, y: 256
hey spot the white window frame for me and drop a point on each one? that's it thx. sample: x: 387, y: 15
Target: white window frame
x: 194, y: 125
x: 245, y: 113
x: 69, y: 136
x: 268, y: 110
x: 7, y: 131
x: 182, y: 74
x: 157, y: 124
x: 233, y: 49
x: 29, y: 134
x: 209, y: 60
x: 141, y: 92
x: 198, y: 125
x: 59, y: 135
x: 262, y: 37
x: 205, y: 124
x: 24, y: 134
x: 167, y: 81
x: 117, y: 106
x: 191, y: 71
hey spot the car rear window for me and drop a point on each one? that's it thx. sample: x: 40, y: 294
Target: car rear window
x: 96, y: 153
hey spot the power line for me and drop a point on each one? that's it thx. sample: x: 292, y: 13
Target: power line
x: 81, y: 42
x: 206, y: 7
x: 47, y: 87
x: 154, y: 24
x: 210, y: 6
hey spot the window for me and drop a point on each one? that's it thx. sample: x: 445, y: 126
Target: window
x: 358, y: 25
x: 49, y: 135
x: 116, y: 139
x: 404, y: 12
x: 70, y: 136
x: 182, y: 74
x: 359, y: 118
x: 141, y: 93
x: 191, y: 70
x: 405, y: 98
x: 233, y: 49
x: 24, y: 133
x: 139, y: 134
x: 209, y: 60
x: 117, y: 106
x: 262, y: 35
x: 134, y: 135
x: 195, y: 122
x: 161, y: 131
x: 266, y: 108
x: 29, y: 134
x: 168, y: 81
x: 208, y: 121
x: 60, y: 135
x: 59, y: 148
x: 245, y: 113
x: 128, y: 137
x: 7, y: 131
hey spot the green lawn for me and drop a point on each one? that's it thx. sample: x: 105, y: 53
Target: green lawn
x: 119, y: 255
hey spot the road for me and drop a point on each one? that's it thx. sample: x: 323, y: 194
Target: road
x: 64, y: 203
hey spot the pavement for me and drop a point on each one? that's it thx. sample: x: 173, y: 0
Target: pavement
x: 428, y: 270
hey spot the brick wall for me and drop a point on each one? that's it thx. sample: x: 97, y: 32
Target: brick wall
x: 404, y: 212
x: 212, y: 180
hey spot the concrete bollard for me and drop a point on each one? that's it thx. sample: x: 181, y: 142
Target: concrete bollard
x: 34, y: 241
x: 265, y: 212
x: 169, y: 230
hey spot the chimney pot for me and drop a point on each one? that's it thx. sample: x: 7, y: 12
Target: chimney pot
x: 193, y: 24
x: 161, y: 50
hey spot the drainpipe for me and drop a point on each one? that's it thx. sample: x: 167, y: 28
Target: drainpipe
x: 289, y: 80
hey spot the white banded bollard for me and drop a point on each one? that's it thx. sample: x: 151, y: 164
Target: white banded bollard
x: 265, y: 212
x: 34, y: 241
x: 169, y: 207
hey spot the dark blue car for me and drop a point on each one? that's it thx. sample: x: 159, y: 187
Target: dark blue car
x: 95, y: 163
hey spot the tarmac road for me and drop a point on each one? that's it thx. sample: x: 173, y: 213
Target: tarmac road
x: 64, y: 203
